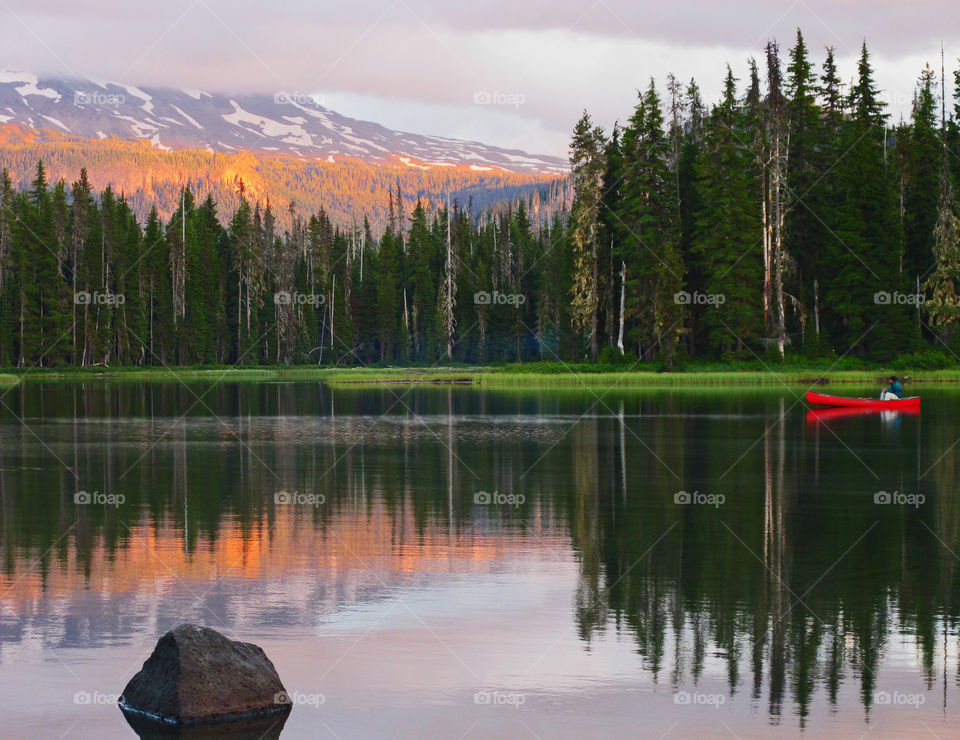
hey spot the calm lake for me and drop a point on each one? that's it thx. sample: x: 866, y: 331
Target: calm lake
x: 446, y: 562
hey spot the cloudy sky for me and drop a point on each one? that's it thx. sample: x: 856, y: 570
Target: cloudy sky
x: 509, y: 72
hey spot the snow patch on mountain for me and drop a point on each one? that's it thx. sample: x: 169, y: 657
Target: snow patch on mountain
x: 187, y: 118
x: 55, y: 122
x: 30, y: 85
x: 136, y: 92
x: 291, y: 133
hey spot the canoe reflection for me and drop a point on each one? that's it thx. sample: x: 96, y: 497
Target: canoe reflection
x: 817, y: 416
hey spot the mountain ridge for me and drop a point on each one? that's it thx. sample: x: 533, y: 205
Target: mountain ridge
x: 282, y: 123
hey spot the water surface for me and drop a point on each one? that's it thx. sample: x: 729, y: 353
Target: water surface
x: 452, y: 562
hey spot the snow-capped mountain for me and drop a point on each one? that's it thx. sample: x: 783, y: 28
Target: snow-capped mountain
x: 281, y: 123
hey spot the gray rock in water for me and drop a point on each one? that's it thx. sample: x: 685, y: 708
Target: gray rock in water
x: 196, y: 676
x: 262, y: 728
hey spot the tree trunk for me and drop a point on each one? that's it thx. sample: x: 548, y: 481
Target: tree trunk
x: 623, y: 303
x: 595, y: 302
x: 767, y: 259
x: 816, y: 308
x: 778, y: 243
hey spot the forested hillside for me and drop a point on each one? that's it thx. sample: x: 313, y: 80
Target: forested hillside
x: 791, y: 217
x: 346, y: 189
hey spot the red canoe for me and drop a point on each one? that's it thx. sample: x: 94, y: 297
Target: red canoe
x: 901, y: 404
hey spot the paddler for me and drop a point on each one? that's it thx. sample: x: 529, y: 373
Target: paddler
x: 894, y: 392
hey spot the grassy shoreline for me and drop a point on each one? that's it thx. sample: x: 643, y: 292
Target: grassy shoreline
x: 552, y: 375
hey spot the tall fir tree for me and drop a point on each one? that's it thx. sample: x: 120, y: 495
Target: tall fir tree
x: 862, y: 251
x: 923, y: 165
x: 587, y: 166
x: 943, y: 285
x: 725, y: 245
x: 651, y: 240
x: 421, y: 264
x: 805, y: 222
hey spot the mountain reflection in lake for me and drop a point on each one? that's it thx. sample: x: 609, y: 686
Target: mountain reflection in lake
x: 446, y: 561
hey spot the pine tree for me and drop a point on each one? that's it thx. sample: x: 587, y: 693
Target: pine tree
x: 829, y: 192
x: 805, y: 225
x: 650, y: 247
x: 520, y: 285
x: 364, y: 299
x: 343, y: 338
x: 586, y: 160
x: 177, y: 241
x: 389, y: 295
x: 923, y: 167
x: 943, y: 285
x: 725, y: 245
x: 159, y: 312
x: 43, y: 295
x: 612, y: 238
x: 125, y: 285
x: 863, y: 247
x: 832, y: 88
x: 421, y: 258
x: 246, y: 264
x: 953, y: 134
x: 691, y: 203
x: 7, y: 276
x: 204, y: 305
x: 553, y: 318
x: 776, y: 195
x: 96, y: 259
x: 447, y: 298
x: 80, y: 218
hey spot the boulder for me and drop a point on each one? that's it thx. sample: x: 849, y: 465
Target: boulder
x: 197, y: 676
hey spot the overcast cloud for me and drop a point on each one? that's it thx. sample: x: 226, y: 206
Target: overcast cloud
x: 419, y: 65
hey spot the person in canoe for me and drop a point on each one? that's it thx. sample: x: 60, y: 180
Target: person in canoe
x: 894, y: 392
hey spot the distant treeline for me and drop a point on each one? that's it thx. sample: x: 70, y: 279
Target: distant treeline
x: 789, y: 218
x: 82, y: 283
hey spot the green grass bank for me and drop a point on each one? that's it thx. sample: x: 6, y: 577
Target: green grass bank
x: 533, y: 375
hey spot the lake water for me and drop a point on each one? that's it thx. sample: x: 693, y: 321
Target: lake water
x: 455, y: 563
